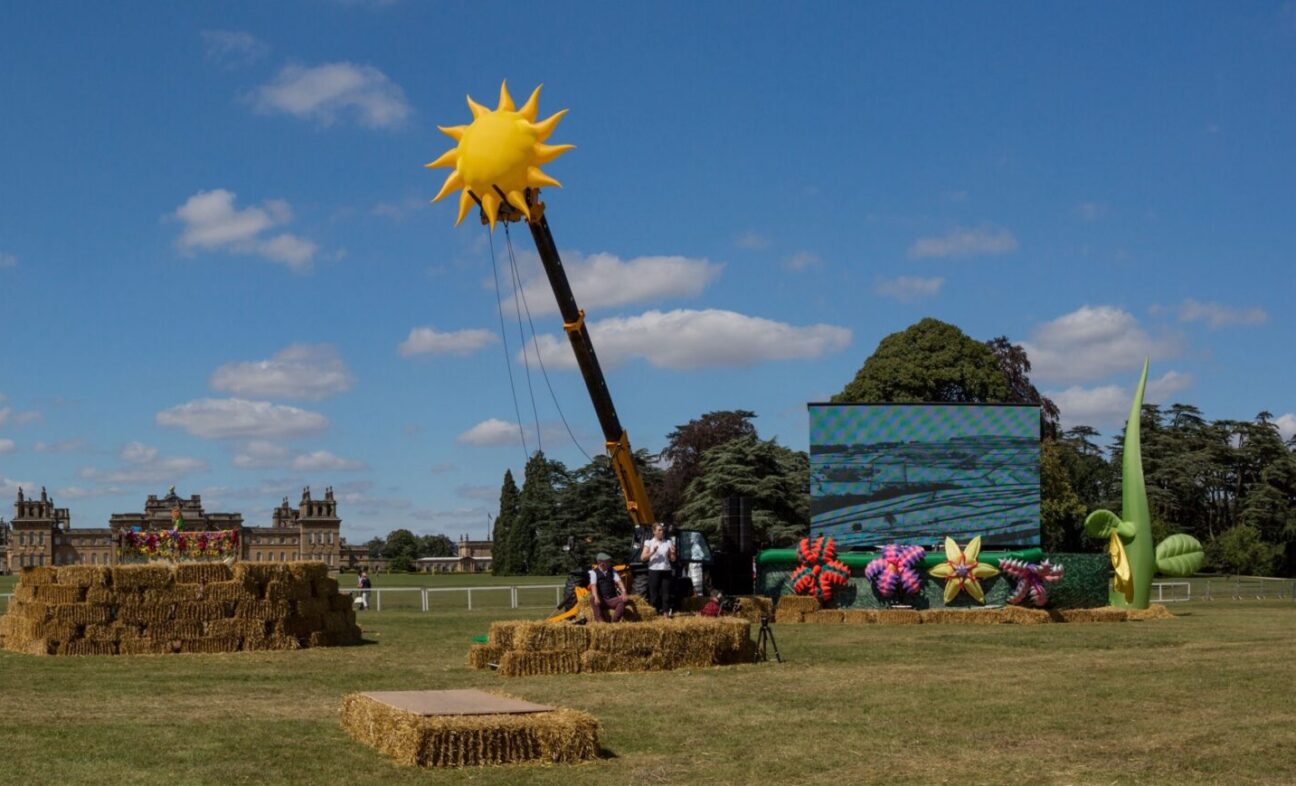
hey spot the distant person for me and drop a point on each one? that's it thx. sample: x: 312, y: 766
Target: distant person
x: 713, y: 605
x: 659, y: 553
x: 607, y: 593
x: 365, y: 585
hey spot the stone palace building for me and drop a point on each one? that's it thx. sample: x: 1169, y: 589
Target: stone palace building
x: 41, y: 533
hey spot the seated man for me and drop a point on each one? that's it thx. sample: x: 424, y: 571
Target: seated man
x: 607, y: 594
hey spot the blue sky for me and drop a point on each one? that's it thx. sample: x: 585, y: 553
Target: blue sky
x: 219, y: 270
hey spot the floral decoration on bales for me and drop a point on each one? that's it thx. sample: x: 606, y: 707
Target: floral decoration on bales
x: 177, y: 544
x: 896, y: 569
x: 961, y: 570
x: 819, y: 571
x: 1032, y: 579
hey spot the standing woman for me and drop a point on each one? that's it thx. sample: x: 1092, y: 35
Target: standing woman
x: 659, y: 553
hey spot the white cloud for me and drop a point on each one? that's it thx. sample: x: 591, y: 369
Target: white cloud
x: 27, y: 416
x: 605, y: 281
x: 469, y: 491
x: 64, y: 446
x: 687, y: 339
x: 752, y: 241
x: 5, y: 412
x: 7, y: 260
x: 304, y: 371
x: 491, y: 432
x: 9, y: 487
x: 1091, y: 211
x: 7, y: 446
x: 261, y: 454
x: 907, y: 289
x: 1109, y: 404
x: 212, y: 223
x: 233, y: 47
x: 429, y: 341
x: 1286, y: 425
x: 79, y: 492
x: 474, y: 518
x: 1092, y: 342
x: 235, y: 417
x: 143, y: 464
x: 1217, y: 316
x: 326, y: 92
x: 985, y: 240
x: 321, y: 460
x: 802, y: 260
x: 442, y: 468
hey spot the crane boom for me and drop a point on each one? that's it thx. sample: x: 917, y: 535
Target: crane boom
x: 615, y: 437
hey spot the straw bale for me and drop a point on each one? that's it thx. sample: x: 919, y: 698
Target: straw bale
x: 1104, y: 614
x: 82, y: 613
x: 274, y: 643
x: 525, y: 664
x: 561, y: 736
x: 24, y: 592
x: 753, y: 607
x: 899, y: 617
x: 341, y: 624
x: 293, y: 625
x: 201, y: 610
x: 140, y: 614
x: 287, y: 589
x: 87, y: 647
x: 172, y: 594
x: 255, y: 575
x: 101, y: 595
x: 313, y: 607
x: 1154, y: 612
x: 859, y: 616
x: 59, y: 594
x: 203, y: 573
x: 38, y: 576
x: 325, y: 587
x: 84, y: 576
x: 141, y: 646
x: 1020, y: 615
x: 629, y: 640
x: 210, y: 644
x: 550, y: 636
x: 32, y: 610
x: 235, y: 628
x: 970, y: 616
x: 307, y: 572
x: 111, y: 631
x: 791, y: 605
x: 228, y: 591
x: 480, y: 656
x: 825, y: 617
x: 595, y: 662
x: 262, y: 609
x: 174, y: 629
x: 321, y: 638
x: 340, y: 602
x: 501, y: 633
x: 141, y: 577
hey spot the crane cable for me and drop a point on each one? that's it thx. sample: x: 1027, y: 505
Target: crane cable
x: 544, y: 372
x: 517, y: 290
x: 508, y: 362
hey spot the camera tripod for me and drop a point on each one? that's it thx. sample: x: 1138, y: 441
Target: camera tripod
x: 766, y: 638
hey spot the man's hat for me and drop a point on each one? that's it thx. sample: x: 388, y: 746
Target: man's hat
x: 603, y: 556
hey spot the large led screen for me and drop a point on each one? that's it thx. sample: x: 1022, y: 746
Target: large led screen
x: 914, y: 473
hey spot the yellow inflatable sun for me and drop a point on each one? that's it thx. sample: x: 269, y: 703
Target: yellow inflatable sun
x: 499, y: 152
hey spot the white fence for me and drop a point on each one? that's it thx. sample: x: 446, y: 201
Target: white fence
x: 1171, y: 591
x: 1248, y: 587
x: 512, y: 596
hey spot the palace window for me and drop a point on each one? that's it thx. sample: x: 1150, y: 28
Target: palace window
x: 330, y: 540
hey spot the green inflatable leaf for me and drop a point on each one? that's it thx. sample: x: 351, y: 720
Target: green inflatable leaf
x: 1100, y: 524
x: 1179, y: 555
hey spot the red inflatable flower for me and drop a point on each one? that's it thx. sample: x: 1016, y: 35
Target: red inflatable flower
x: 819, y: 571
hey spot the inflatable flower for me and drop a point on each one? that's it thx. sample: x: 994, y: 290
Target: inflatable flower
x: 896, y: 569
x: 961, y: 570
x: 819, y: 571
x: 1032, y: 579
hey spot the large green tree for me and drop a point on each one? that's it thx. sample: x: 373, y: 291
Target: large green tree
x: 534, y: 543
x: 683, y: 453
x: 928, y: 361
x: 1062, y: 514
x: 501, y: 554
x: 775, y: 479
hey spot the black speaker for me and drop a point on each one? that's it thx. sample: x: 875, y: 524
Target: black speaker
x: 736, y: 525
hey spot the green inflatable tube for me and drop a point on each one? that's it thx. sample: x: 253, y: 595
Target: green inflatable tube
x: 858, y: 560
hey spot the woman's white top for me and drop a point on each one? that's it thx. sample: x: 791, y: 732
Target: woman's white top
x: 659, y: 554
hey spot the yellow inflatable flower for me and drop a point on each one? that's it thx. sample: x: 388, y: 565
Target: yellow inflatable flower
x: 961, y: 571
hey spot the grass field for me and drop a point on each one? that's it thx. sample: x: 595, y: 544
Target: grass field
x: 1206, y: 698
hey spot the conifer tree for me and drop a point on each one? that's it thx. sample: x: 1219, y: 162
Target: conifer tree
x: 502, y: 556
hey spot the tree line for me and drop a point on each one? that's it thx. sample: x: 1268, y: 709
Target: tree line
x: 1231, y: 484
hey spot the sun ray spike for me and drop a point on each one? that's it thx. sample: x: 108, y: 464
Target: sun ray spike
x: 465, y: 205
x: 448, y: 158
x: 505, y: 100
x: 536, y: 178
x: 477, y: 109
x: 516, y: 199
x: 454, y: 132
x: 490, y: 203
x: 453, y: 181
x: 546, y: 153
x: 532, y: 105
x: 546, y: 127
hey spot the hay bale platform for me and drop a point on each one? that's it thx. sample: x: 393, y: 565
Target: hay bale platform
x: 466, y: 728
x: 165, y: 609
x: 798, y: 609
x: 526, y: 648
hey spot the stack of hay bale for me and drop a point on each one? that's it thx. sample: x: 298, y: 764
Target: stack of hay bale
x: 521, y: 648
x: 190, y: 607
x: 807, y: 609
